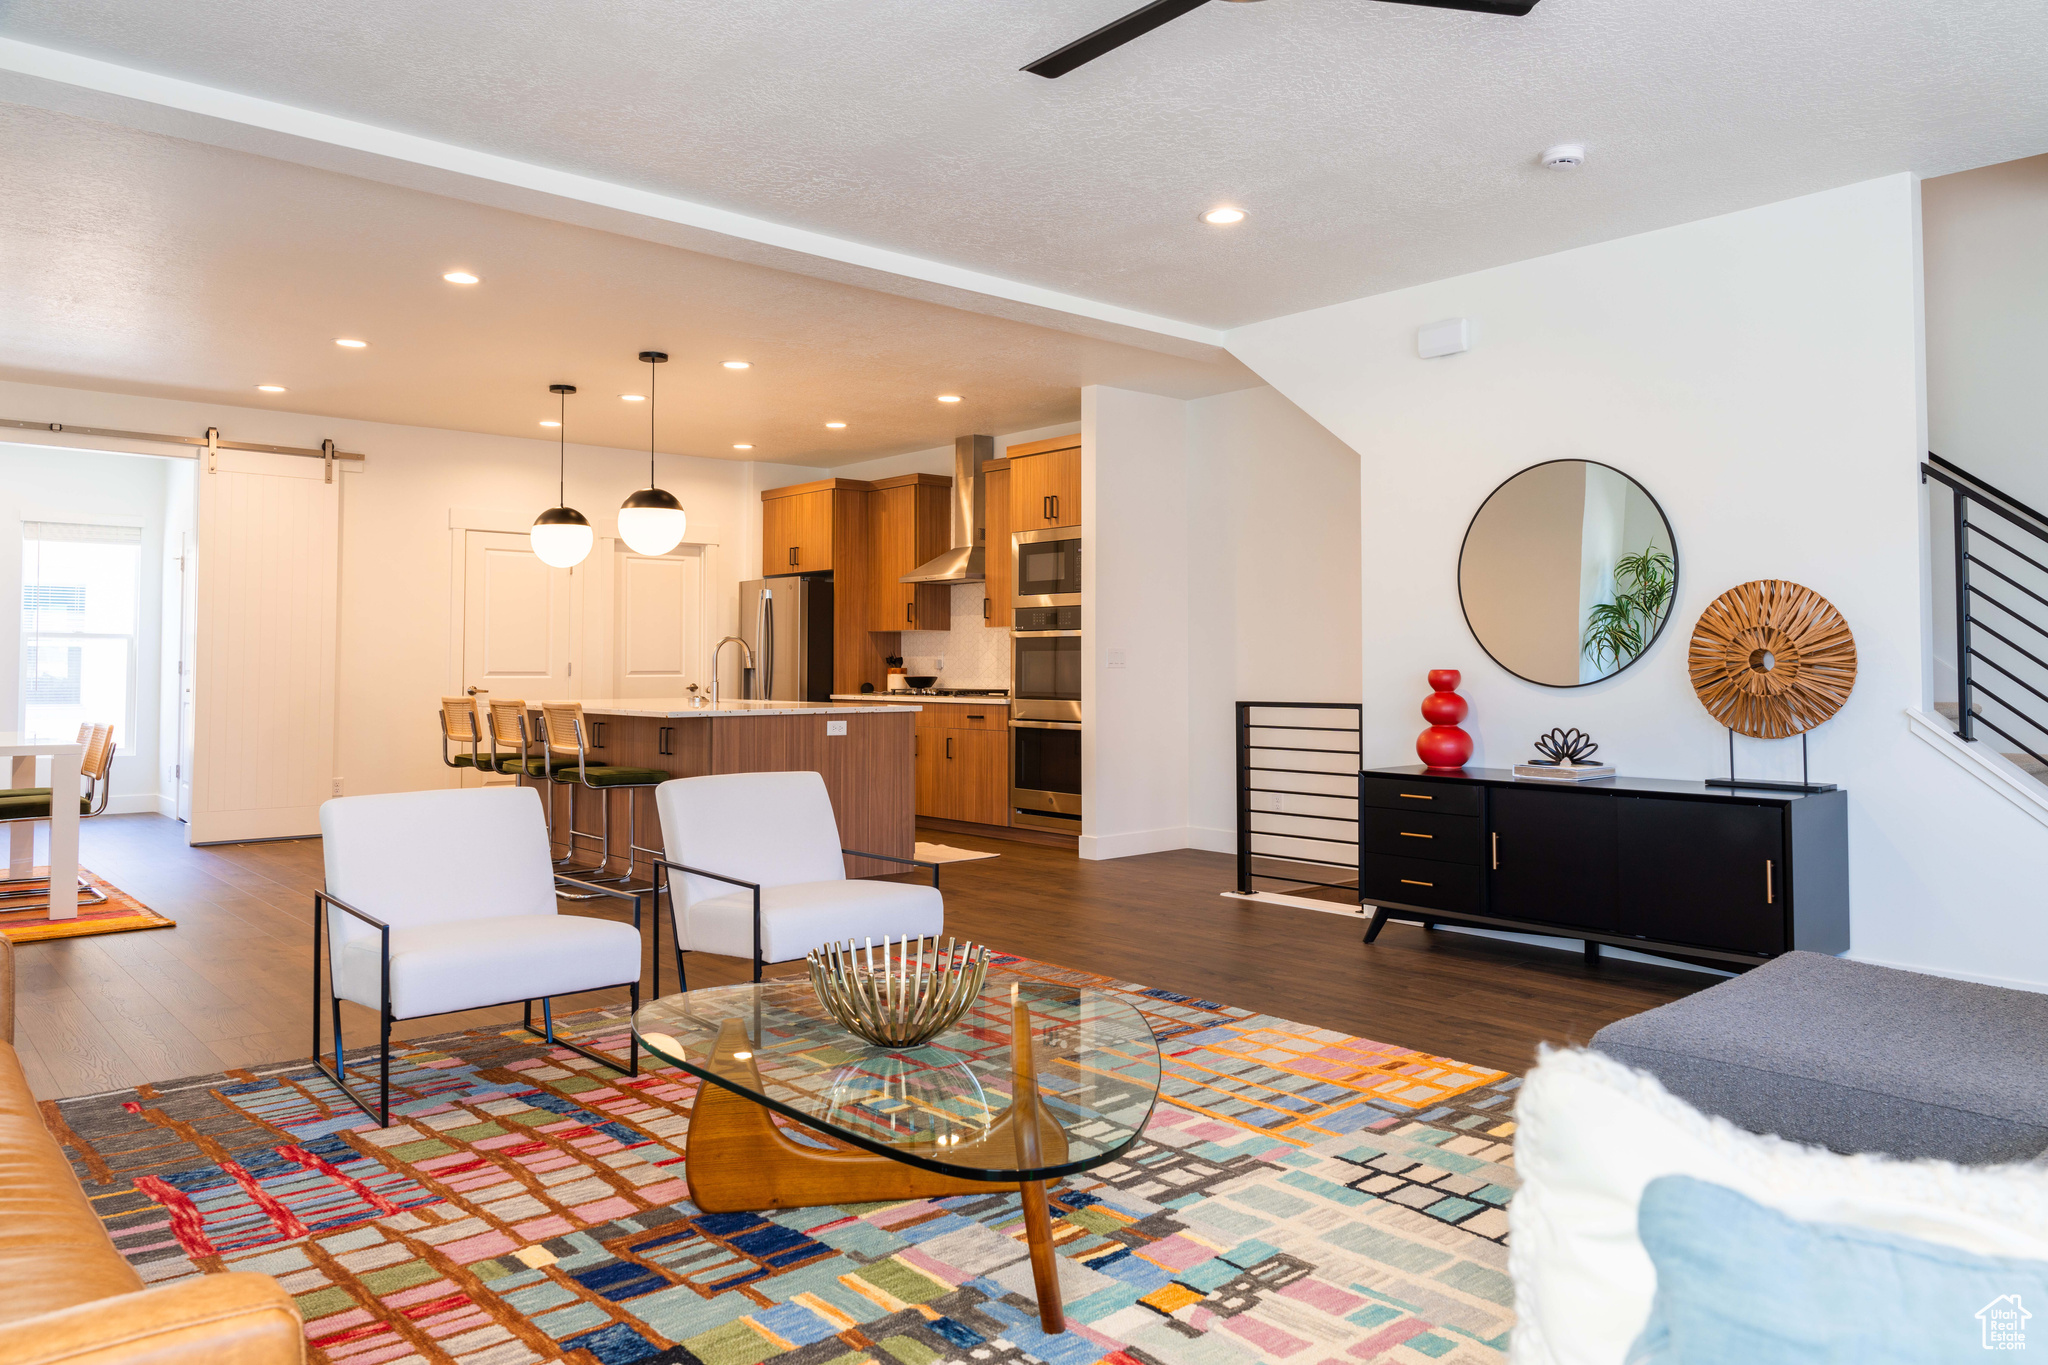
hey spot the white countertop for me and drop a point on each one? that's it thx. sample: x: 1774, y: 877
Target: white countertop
x: 681, y: 708
x: 919, y: 699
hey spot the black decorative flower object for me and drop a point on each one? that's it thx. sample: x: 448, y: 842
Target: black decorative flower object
x: 1569, y: 748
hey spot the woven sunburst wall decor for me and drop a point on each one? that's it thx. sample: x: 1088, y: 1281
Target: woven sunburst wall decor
x: 1772, y: 659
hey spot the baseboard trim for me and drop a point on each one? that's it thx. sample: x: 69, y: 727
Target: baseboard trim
x: 1992, y: 769
x: 1104, y: 847
x: 2011, y: 983
x: 136, y: 803
x: 1212, y: 840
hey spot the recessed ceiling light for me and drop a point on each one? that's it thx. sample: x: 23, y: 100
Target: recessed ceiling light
x: 835, y: 426
x: 351, y: 343
x: 633, y: 397
x: 949, y: 398
x: 270, y: 388
x: 742, y: 447
x: 739, y: 364
x: 459, y: 277
x: 550, y: 424
x: 1223, y: 217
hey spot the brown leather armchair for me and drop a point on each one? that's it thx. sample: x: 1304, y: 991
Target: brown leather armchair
x: 65, y: 1293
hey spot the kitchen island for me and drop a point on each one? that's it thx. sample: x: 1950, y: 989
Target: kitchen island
x: 869, y: 770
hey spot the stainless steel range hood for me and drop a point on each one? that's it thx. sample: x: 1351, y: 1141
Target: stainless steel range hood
x: 963, y: 563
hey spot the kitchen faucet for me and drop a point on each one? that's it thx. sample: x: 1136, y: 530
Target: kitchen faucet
x: 746, y: 664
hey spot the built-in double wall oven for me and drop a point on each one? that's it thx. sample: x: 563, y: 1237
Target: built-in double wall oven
x: 1045, y: 711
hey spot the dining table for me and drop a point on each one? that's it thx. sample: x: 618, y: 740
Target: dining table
x: 64, y: 756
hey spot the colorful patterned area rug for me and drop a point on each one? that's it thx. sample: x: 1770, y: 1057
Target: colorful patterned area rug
x: 117, y: 914
x: 1298, y: 1196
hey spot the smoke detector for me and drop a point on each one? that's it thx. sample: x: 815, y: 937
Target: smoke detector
x: 1565, y: 156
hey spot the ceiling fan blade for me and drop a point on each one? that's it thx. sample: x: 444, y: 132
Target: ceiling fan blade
x: 1511, y: 9
x: 1114, y: 35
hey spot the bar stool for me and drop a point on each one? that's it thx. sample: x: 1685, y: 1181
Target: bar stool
x: 513, y: 747
x: 24, y: 804
x: 459, y: 724
x: 564, y: 737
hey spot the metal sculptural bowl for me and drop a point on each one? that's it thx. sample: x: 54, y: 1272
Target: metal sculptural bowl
x: 910, y: 995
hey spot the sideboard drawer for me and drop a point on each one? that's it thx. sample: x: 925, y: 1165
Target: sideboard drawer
x: 1417, y: 881
x: 1423, y: 834
x: 1445, y: 798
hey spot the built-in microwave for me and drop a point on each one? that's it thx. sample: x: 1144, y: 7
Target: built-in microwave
x: 1048, y: 567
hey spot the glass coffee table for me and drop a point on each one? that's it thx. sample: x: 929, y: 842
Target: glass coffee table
x: 1034, y: 1082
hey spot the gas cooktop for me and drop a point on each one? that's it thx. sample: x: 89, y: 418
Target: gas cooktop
x: 950, y: 692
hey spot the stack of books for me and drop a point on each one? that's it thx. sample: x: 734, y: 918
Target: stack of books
x: 1564, y: 772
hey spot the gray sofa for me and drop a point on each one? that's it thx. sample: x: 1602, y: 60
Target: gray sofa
x: 1855, y: 1058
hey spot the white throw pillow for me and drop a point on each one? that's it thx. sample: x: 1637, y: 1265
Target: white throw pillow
x: 1591, y: 1133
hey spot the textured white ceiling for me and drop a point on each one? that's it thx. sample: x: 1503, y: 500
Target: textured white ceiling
x: 146, y: 264
x: 1376, y: 145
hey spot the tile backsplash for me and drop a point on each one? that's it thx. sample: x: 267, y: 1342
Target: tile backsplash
x: 976, y: 655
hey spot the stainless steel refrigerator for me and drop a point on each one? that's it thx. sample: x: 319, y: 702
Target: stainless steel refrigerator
x: 787, y: 622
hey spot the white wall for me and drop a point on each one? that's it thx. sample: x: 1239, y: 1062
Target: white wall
x: 1760, y: 373
x: 1273, y: 581
x: 1134, y: 642
x: 397, y: 624
x: 1987, y: 323
x: 64, y: 485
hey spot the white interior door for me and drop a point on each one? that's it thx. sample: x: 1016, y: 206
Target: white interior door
x: 658, y: 623
x: 520, y: 623
x: 264, y: 596
x: 187, y: 649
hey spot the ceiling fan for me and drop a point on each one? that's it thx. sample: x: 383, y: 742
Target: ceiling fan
x: 1144, y: 20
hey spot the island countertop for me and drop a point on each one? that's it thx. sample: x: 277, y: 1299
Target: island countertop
x: 919, y: 698
x: 688, y: 708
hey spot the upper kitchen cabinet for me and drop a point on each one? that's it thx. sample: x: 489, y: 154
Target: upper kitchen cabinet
x: 999, y: 564
x: 907, y: 525
x: 803, y: 524
x: 1045, y: 484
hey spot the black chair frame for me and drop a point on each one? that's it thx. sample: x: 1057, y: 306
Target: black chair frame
x: 382, y: 1113
x: 663, y: 866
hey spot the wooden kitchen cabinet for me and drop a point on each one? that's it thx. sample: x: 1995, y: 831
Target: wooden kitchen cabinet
x: 803, y: 524
x: 1045, y: 484
x: 963, y: 763
x: 908, y: 523
x: 999, y: 564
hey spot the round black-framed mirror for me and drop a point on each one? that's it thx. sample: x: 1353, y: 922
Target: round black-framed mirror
x: 1568, y: 573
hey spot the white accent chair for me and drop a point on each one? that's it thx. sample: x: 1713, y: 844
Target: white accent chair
x: 439, y: 901
x: 773, y: 838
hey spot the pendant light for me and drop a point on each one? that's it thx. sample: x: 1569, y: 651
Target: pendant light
x: 652, y: 521
x: 561, y: 535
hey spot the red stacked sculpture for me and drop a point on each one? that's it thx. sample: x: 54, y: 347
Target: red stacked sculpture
x: 1443, y: 744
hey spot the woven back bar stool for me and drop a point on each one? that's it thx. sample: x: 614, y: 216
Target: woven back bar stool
x: 566, y: 735
x: 459, y: 726
x: 26, y: 804
x: 516, y: 746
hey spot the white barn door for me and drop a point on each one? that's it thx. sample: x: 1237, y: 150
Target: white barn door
x: 265, y: 570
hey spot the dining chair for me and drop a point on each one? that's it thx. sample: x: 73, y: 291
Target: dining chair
x: 566, y: 737
x: 754, y: 869
x: 441, y: 901
x: 22, y: 805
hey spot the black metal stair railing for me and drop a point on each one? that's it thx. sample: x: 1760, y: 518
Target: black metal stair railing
x: 1297, y: 793
x: 2001, y: 606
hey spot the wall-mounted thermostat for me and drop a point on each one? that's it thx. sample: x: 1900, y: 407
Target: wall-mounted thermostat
x: 1448, y: 337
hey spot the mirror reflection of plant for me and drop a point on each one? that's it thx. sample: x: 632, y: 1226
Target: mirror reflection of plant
x: 1618, y: 631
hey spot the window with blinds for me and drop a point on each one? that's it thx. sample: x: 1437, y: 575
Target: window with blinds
x: 80, y: 591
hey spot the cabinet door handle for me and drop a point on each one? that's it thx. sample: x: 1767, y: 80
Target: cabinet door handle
x: 915, y: 747
x: 1414, y: 796
x: 984, y: 609
x: 1045, y: 507
x: 1770, y: 891
x: 1410, y: 881
x: 792, y: 555
x: 1496, y: 851
x: 910, y: 611
x: 977, y: 718
x: 1055, y: 507
x: 1406, y: 835
x: 949, y: 746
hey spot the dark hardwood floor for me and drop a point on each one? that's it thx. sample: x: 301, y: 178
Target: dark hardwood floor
x: 230, y: 986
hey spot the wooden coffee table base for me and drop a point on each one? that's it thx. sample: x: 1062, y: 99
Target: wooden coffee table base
x: 738, y: 1160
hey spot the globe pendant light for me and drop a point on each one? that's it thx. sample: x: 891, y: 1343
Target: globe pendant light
x: 652, y: 521
x: 561, y: 535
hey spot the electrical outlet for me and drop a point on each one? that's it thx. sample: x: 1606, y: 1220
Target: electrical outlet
x: 835, y: 727
x: 337, y: 786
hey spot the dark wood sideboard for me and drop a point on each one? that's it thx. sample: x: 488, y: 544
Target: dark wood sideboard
x: 1731, y: 877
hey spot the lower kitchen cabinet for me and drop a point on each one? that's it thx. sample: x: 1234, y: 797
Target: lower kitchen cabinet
x: 963, y: 763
